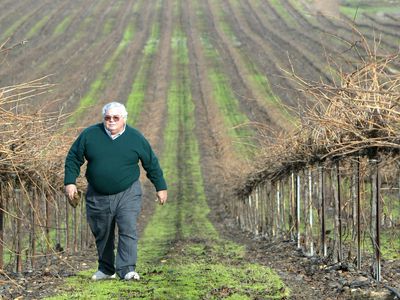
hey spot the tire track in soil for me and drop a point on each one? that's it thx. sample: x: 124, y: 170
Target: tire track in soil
x: 157, y: 89
x: 215, y: 145
x: 152, y: 119
x: 184, y: 176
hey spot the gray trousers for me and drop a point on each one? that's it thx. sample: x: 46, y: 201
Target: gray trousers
x: 103, y: 213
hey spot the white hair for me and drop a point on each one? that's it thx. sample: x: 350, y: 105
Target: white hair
x: 117, y: 105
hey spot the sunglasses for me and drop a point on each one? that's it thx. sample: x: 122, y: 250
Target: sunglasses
x: 114, y: 118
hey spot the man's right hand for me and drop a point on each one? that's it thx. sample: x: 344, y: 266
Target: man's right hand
x: 72, y: 193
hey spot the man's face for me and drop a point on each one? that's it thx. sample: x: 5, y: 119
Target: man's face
x: 113, y: 121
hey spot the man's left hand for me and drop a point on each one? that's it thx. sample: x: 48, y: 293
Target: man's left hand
x: 162, y: 196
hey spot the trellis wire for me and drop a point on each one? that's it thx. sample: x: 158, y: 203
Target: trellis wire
x: 27, y: 236
x: 305, y: 240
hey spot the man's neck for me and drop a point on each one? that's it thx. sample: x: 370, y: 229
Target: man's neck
x: 114, y: 135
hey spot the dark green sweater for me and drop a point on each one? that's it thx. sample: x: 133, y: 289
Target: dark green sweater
x: 112, y: 164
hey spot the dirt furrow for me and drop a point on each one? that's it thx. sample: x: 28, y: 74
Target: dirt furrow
x: 26, y: 61
x: 129, y: 63
x: 251, y: 102
x: 262, y: 54
x: 300, y: 59
x: 256, y: 100
x: 215, y: 145
x: 155, y: 103
x: 92, y: 56
x: 377, y: 29
x: 395, y: 26
x: 306, y: 36
x: 344, y: 30
x: 6, y: 6
x: 157, y: 89
x: 15, y: 15
x: 33, y: 63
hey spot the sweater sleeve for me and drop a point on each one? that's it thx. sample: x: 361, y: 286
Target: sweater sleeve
x: 152, y: 167
x: 74, y: 160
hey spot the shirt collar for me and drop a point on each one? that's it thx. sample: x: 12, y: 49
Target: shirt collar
x: 113, y: 137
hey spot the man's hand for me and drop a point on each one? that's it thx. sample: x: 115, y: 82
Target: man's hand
x: 72, y: 194
x: 162, y: 196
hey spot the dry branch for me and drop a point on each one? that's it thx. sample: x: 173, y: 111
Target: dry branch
x: 358, y: 116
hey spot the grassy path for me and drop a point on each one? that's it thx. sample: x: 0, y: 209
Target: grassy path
x: 181, y: 255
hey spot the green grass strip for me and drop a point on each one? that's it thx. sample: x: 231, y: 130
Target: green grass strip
x: 37, y: 27
x: 62, y: 26
x: 258, y: 80
x: 281, y: 10
x: 136, y: 96
x: 227, y: 102
x: 91, y: 97
x: 14, y: 27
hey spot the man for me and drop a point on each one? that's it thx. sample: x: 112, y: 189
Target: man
x: 113, y: 150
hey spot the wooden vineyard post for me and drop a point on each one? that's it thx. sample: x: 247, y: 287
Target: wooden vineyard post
x: 357, y: 208
x: 256, y: 212
x: 298, y: 212
x: 283, y: 206
x: 33, y: 230
x: 57, y: 217
x: 75, y: 220
x: 263, y: 210
x: 272, y: 201
x: 353, y: 202
x: 249, y: 212
x: 278, y: 207
x: 47, y: 216
x: 267, y: 209
x: 309, y: 216
x: 1, y: 225
x: 292, y: 222
x: 18, y: 250
x: 82, y: 231
x: 246, y: 213
x: 67, y: 239
x: 337, y: 247
x: 375, y: 217
x: 397, y: 220
x: 322, y: 209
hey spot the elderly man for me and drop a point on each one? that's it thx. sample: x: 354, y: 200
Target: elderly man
x: 113, y: 150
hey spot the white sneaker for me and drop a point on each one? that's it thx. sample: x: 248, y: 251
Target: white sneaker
x: 132, y: 276
x: 99, y: 275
